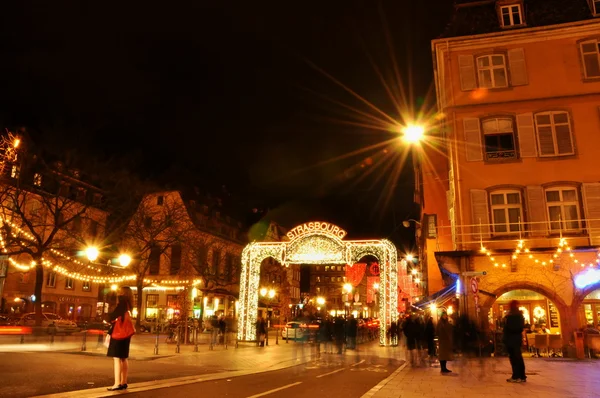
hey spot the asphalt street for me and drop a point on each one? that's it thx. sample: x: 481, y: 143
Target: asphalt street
x: 26, y: 374
x: 330, y: 376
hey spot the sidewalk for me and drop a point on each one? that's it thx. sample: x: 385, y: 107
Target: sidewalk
x: 142, y: 345
x: 546, y: 378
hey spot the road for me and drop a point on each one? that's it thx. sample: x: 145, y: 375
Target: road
x: 330, y: 376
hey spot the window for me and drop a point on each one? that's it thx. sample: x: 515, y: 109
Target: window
x: 554, y: 134
x: 596, y: 7
x: 326, y: 279
x: 24, y: 277
x: 51, y: 279
x: 318, y: 279
x: 154, y: 261
x: 152, y: 300
x: 160, y: 200
x: 175, y: 259
x: 14, y: 172
x: 37, y: 179
x: 172, y: 301
x: 76, y: 227
x: 69, y: 283
x: 318, y: 290
x: 506, y: 211
x: 499, y: 139
x: 511, y: 15
x: 93, y: 228
x: 590, y: 53
x: 216, y: 261
x: 86, y: 286
x: 327, y: 268
x: 97, y: 199
x: 491, y: 70
x: 563, y: 209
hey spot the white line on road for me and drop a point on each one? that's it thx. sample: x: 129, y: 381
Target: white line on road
x: 330, y: 373
x: 262, y: 394
x: 358, y: 363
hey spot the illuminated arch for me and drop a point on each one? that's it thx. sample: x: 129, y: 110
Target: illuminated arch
x: 316, y: 243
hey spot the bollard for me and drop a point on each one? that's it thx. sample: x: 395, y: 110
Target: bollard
x: 83, y: 342
x: 177, y: 347
x: 22, y: 339
x: 196, y: 339
x: 225, y: 338
x: 267, y: 338
x: 100, y: 339
x: 156, y: 341
x: 276, y: 336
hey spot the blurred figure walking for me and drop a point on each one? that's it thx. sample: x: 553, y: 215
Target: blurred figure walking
x: 514, y: 324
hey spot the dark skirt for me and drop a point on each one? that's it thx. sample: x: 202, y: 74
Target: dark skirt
x: 119, y: 348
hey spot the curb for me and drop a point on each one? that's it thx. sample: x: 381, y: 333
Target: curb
x: 383, y: 382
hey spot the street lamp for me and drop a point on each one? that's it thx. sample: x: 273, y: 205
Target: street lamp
x: 409, y: 257
x: 413, y: 133
x: 268, y: 294
x: 92, y: 253
x: 124, y: 260
x: 321, y: 301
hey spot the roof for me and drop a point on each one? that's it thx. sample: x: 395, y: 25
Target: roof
x: 474, y: 17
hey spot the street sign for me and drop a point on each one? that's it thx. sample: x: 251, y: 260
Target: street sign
x: 474, y: 286
x: 473, y: 273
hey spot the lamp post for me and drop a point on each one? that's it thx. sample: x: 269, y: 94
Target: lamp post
x: 348, y: 289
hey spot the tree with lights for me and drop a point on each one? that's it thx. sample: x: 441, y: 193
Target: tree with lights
x: 46, y: 209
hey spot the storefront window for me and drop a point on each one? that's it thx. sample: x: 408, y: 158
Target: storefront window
x: 172, y: 301
x: 589, y: 315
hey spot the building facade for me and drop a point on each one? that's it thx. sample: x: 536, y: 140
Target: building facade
x: 514, y: 191
x: 187, y: 257
x: 54, y: 204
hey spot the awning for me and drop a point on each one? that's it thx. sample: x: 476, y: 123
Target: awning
x: 439, y: 297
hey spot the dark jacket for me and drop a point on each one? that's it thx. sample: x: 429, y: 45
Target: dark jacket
x: 514, y: 324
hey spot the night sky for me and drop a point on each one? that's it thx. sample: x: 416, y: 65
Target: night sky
x: 234, y: 93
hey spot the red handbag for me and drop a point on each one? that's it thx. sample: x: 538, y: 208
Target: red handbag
x: 123, y: 328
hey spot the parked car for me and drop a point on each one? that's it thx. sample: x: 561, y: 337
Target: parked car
x: 6, y: 321
x: 52, y: 322
x: 299, y: 330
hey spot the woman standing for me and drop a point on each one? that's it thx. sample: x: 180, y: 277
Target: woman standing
x: 444, y: 333
x: 119, y: 348
x: 514, y: 325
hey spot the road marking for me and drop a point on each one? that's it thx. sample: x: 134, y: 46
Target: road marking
x: 330, y: 373
x: 358, y: 363
x: 262, y: 394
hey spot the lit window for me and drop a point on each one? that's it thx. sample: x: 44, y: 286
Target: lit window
x: 86, y: 286
x: 499, y: 139
x: 554, y: 134
x: 14, y: 172
x: 590, y: 53
x: 37, y: 179
x: 511, y: 15
x: 327, y: 268
x: 318, y: 279
x: 69, y: 283
x: 491, y: 70
x: 563, y: 209
x: 506, y: 211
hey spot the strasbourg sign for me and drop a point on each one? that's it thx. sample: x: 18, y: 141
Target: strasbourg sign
x: 316, y: 227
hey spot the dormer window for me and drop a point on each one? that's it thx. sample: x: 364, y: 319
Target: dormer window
x: 511, y: 15
x: 596, y: 7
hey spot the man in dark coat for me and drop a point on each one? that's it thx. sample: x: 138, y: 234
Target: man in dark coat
x: 514, y: 324
x: 445, y: 340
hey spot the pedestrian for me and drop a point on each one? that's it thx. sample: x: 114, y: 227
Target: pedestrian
x: 120, y: 332
x: 514, y: 324
x: 261, y: 331
x: 410, y: 331
x: 445, y: 337
x: 339, y: 333
x: 430, y: 338
x: 351, y: 331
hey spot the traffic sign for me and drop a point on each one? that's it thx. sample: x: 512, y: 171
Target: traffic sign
x: 474, y: 286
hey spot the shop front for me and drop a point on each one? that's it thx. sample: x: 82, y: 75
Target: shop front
x: 589, y: 313
x: 75, y: 308
x: 541, y: 315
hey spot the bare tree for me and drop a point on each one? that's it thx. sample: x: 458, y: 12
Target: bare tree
x: 159, y: 223
x: 44, y: 207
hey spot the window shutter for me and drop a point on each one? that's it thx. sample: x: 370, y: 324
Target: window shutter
x: 473, y: 139
x: 518, y: 68
x: 536, y: 211
x: 526, y: 130
x: 480, y: 212
x: 591, y: 202
x: 466, y: 66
